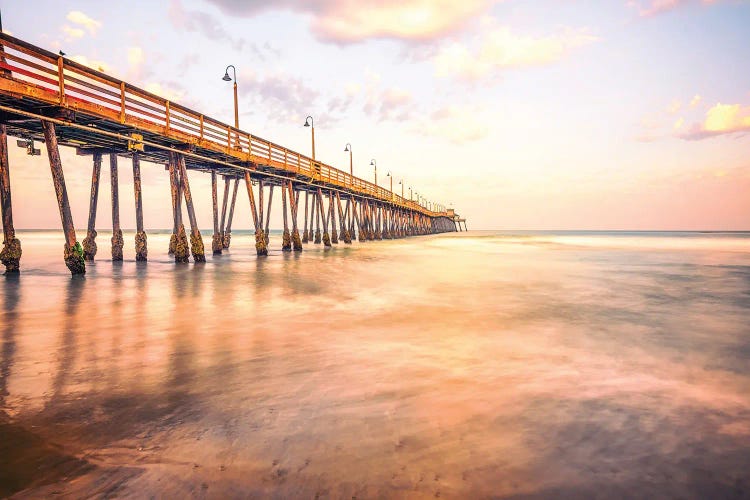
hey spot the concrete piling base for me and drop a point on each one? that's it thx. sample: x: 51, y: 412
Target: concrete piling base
x: 334, y: 236
x: 317, y: 237
x: 141, y: 248
x: 227, y: 239
x: 347, y: 237
x: 286, y: 241
x: 10, y: 256
x: 326, y: 239
x: 305, y: 236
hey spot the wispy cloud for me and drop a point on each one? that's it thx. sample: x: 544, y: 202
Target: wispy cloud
x: 350, y: 21
x: 650, y: 8
x: 457, y: 124
x: 499, y: 48
x: 81, y: 19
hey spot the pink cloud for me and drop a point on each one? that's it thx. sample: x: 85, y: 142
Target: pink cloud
x: 650, y: 8
x: 350, y: 21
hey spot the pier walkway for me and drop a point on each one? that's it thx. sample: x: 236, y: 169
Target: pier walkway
x: 47, y: 97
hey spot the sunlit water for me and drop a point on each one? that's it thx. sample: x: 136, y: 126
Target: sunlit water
x: 461, y: 365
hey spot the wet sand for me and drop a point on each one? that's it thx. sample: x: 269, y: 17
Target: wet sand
x: 476, y: 365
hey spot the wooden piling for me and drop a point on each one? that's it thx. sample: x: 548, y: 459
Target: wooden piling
x: 176, y: 210
x: 294, y: 203
x: 224, y: 201
x: 342, y: 219
x: 141, y: 248
x: 228, y: 230
x: 332, y: 216
x: 318, y: 210
x: 305, y: 234
x: 217, y: 241
x: 196, y: 241
x: 73, y: 252
x: 89, y: 242
x: 261, y: 248
x: 324, y: 216
x: 117, y: 241
x: 10, y: 255
x: 268, y: 214
x: 286, y: 239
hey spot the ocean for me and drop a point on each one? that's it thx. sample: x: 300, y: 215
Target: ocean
x: 482, y: 364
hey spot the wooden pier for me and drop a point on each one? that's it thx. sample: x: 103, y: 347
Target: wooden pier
x: 46, y: 97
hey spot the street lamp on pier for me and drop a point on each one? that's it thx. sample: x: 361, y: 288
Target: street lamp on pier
x: 309, y: 122
x: 375, y: 164
x: 227, y: 78
x: 351, y: 164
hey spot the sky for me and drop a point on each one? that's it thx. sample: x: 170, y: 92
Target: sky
x: 551, y: 114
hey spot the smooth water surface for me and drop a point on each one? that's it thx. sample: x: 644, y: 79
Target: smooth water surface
x: 464, y: 365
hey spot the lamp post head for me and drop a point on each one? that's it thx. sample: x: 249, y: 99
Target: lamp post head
x: 309, y: 121
x: 348, y: 147
x: 226, y: 76
x: 388, y: 174
x: 372, y: 162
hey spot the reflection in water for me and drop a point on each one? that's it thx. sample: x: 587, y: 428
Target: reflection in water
x: 462, y: 365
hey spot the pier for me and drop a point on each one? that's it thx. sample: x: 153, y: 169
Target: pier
x: 46, y: 97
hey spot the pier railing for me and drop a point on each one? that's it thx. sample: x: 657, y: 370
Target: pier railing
x: 31, y: 71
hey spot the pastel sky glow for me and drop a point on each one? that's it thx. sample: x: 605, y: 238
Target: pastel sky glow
x: 581, y: 114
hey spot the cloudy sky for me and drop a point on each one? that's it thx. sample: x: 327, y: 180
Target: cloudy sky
x: 545, y: 114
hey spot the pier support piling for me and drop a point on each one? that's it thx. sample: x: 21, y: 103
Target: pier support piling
x: 178, y: 242
x: 217, y: 241
x: 73, y: 253
x: 316, y: 215
x: 286, y: 239
x: 225, y: 199
x: 305, y: 234
x: 324, y: 216
x: 294, y: 205
x: 196, y: 240
x: 10, y: 255
x: 117, y: 241
x: 141, y: 248
x: 332, y: 215
x: 261, y: 249
x: 267, y: 231
x: 228, y: 230
x: 89, y: 242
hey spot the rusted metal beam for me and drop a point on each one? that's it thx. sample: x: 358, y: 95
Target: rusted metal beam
x: 141, y: 246
x: 73, y: 253
x: 10, y: 255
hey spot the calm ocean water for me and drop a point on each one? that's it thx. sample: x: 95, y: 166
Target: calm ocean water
x: 480, y: 364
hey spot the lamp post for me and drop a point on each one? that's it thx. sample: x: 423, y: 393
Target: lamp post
x: 375, y: 164
x: 401, y: 183
x: 227, y: 78
x: 309, y: 122
x: 391, y: 177
x: 410, y: 195
x: 351, y: 167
